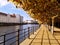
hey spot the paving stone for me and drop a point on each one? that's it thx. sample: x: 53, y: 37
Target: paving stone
x: 53, y: 42
x: 57, y: 37
x: 37, y: 40
x: 45, y: 44
x: 36, y: 43
x: 45, y: 41
x: 39, y: 37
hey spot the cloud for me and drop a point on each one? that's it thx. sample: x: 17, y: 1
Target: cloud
x: 3, y: 2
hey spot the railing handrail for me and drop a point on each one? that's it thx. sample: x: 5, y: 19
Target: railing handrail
x: 12, y: 32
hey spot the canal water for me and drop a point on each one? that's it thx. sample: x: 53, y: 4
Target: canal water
x: 10, y: 40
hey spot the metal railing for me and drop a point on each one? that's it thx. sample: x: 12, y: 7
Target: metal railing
x: 20, y: 35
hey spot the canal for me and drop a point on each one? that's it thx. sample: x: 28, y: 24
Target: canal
x: 11, y: 39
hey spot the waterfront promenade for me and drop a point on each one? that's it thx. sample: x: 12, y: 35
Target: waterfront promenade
x: 42, y: 37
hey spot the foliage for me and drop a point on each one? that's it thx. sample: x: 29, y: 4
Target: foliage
x: 41, y: 10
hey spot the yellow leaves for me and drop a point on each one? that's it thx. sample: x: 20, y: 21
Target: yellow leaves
x: 10, y: 0
x: 14, y: 2
x: 53, y: 0
x: 39, y: 9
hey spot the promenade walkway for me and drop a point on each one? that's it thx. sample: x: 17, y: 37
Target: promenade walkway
x: 43, y: 37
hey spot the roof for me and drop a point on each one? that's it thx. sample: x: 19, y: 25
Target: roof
x: 1, y: 13
x: 13, y: 15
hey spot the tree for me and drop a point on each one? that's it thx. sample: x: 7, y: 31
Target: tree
x: 41, y: 10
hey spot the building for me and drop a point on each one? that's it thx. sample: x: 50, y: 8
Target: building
x: 3, y: 17
x: 10, y: 18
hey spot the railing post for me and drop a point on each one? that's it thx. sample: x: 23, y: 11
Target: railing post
x: 28, y: 32
x: 4, y: 39
x: 33, y: 29
x: 18, y: 36
x: 24, y: 33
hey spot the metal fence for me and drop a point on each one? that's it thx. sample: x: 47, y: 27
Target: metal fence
x: 20, y: 35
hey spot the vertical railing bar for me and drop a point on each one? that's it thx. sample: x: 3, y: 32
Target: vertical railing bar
x: 33, y: 29
x: 24, y: 34
x: 4, y: 39
x: 18, y: 36
x: 28, y: 32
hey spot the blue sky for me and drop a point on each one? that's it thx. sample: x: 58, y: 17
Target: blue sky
x: 10, y: 8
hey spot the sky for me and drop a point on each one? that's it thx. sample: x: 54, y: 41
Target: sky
x: 10, y: 8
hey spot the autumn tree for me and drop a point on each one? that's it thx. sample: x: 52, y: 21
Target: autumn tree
x: 41, y: 10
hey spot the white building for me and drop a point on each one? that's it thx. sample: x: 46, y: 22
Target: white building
x: 3, y: 17
x: 10, y: 18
